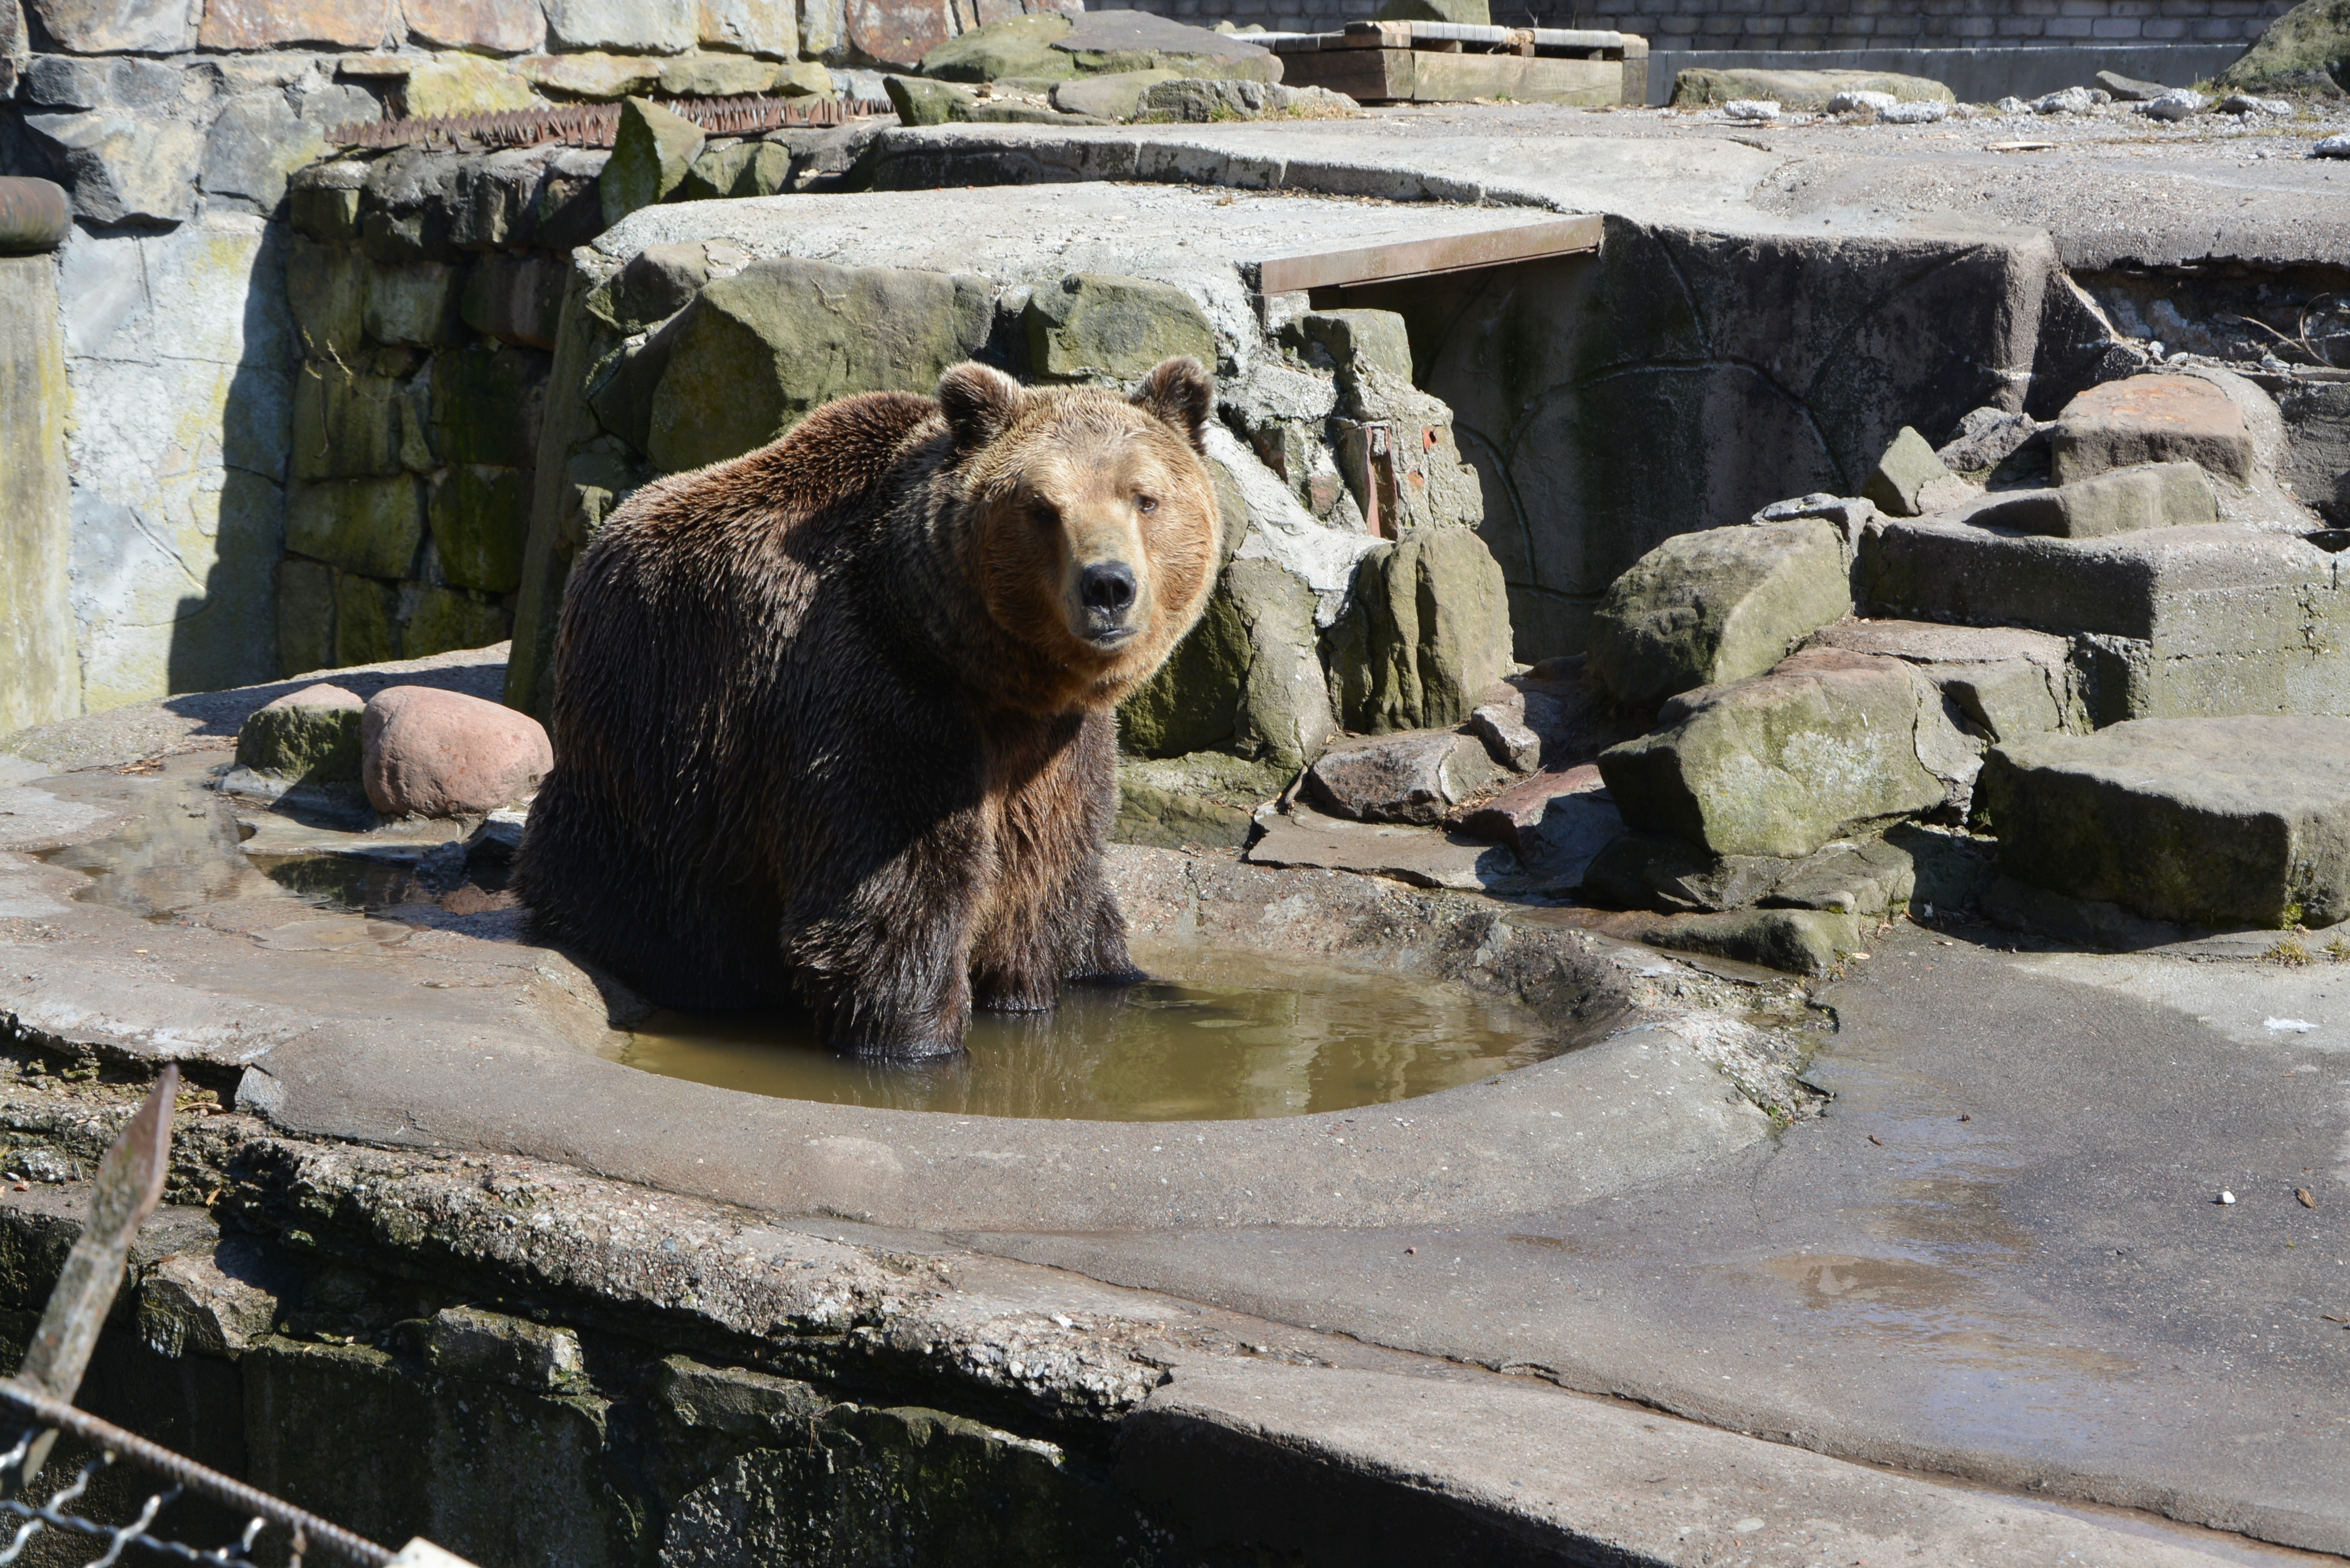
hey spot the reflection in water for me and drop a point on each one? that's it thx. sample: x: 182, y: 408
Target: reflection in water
x: 1222, y: 1034
x: 179, y: 852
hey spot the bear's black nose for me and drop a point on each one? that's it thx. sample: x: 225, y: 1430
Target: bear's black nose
x: 1108, y: 587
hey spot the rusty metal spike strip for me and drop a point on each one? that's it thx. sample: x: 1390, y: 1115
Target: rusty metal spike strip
x: 595, y: 124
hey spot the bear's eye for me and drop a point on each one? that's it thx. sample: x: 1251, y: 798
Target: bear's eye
x: 1146, y: 503
x: 1046, y: 514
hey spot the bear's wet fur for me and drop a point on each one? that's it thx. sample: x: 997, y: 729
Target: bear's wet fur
x: 833, y: 720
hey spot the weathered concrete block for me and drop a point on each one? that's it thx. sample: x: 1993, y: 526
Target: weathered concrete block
x: 2216, y: 822
x: 1205, y: 797
x: 236, y: 25
x: 2120, y: 501
x: 714, y: 172
x: 1470, y: 13
x: 1717, y: 605
x: 2006, y: 682
x: 492, y: 26
x: 651, y: 152
x: 1415, y: 776
x: 1905, y: 477
x: 1437, y: 632
x: 439, y: 620
x: 653, y: 285
x: 323, y: 200
x: 590, y: 73
x: 769, y: 29
x: 1093, y: 327
x: 734, y: 1400
x: 325, y: 287
x: 2152, y: 419
x: 367, y: 625
x: 758, y: 350
x: 111, y: 26
x: 1102, y: 41
x: 1822, y: 746
x: 1009, y: 46
x: 2229, y: 621
x: 486, y: 404
x: 1798, y: 941
x: 117, y: 165
x: 497, y: 1473
x: 479, y: 514
x: 1115, y: 96
x: 305, y: 615
x: 311, y: 736
x: 1244, y: 680
x: 414, y: 305
x: 716, y: 76
x: 1359, y: 337
x: 345, y: 424
x: 456, y: 84
x: 513, y: 299
x: 649, y: 26
x: 372, y: 526
x: 466, y: 1341
x: 256, y: 141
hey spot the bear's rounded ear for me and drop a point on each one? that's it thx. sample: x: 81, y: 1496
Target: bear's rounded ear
x: 981, y: 403
x: 1179, y: 391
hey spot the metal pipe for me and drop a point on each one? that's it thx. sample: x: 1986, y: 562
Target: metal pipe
x: 34, y: 214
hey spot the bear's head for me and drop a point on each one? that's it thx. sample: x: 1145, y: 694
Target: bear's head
x: 1091, y: 530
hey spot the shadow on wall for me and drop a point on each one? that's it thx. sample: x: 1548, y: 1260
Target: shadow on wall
x: 178, y: 357
x: 1681, y: 380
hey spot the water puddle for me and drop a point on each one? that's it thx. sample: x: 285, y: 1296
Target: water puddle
x: 1218, y: 1035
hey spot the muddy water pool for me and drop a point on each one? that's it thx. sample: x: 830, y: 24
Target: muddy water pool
x: 1217, y: 1034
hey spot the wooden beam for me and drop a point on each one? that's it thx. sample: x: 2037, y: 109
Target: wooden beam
x: 1389, y: 260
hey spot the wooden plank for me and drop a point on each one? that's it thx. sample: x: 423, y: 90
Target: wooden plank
x: 1456, y: 79
x: 1386, y: 261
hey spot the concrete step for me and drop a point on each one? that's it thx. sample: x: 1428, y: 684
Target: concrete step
x: 2176, y: 622
x: 2212, y: 821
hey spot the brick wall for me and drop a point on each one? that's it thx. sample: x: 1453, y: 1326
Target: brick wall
x: 1811, y: 24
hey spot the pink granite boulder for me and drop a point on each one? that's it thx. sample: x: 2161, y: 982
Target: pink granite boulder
x: 428, y: 753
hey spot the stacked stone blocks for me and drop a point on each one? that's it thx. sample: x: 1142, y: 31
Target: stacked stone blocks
x: 424, y: 301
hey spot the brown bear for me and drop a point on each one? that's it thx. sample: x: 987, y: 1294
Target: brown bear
x: 833, y: 720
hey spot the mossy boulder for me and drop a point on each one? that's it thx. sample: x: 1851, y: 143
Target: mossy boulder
x: 653, y: 152
x: 1094, y: 326
x: 1717, y: 605
x: 920, y: 102
x: 1434, y: 633
x: 310, y: 736
x: 1825, y: 745
x: 327, y: 291
x: 486, y: 403
x: 2307, y: 50
x: 1011, y: 46
x: 1207, y: 797
x: 1245, y: 680
x: 413, y: 303
x: 755, y: 352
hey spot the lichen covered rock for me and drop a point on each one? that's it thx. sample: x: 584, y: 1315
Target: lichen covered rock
x: 1718, y: 605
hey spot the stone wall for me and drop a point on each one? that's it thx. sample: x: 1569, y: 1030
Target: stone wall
x: 174, y: 127
x: 1810, y: 23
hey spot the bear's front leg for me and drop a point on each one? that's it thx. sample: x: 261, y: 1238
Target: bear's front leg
x: 1099, y: 957
x: 888, y: 972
